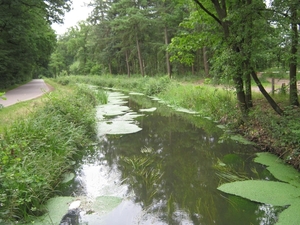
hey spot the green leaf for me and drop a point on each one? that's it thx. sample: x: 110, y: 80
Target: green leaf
x: 240, y: 139
x: 278, y: 168
x: 290, y: 216
x: 269, y: 192
x: 117, y: 127
x: 148, y: 110
x: 68, y: 177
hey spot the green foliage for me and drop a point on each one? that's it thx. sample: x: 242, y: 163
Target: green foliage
x: 271, y: 192
x: 35, y: 151
x: 124, y: 37
x: 277, y: 167
x: 27, y: 39
x: 284, y: 131
x: 96, y: 70
x: 156, y: 86
x: 2, y: 97
x: 209, y: 101
x: 144, y: 173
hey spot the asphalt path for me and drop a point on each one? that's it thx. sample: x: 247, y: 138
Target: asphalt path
x: 31, y: 90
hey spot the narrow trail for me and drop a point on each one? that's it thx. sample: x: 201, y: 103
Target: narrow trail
x: 278, y: 83
x: 31, y: 90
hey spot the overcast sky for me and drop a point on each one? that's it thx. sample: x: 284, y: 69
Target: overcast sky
x: 79, y: 12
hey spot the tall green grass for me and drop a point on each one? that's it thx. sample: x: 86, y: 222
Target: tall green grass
x: 218, y: 103
x: 207, y: 100
x: 37, y: 149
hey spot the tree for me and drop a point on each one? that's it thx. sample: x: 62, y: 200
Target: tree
x: 26, y: 38
x: 286, y: 17
x: 238, y: 38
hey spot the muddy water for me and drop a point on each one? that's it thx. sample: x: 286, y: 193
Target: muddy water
x: 167, y: 171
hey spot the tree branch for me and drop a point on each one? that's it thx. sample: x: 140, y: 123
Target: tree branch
x: 208, y: 12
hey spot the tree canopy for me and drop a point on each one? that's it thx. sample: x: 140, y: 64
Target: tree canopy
x: 26, y: 37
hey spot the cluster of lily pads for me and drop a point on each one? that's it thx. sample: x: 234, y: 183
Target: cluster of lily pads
x: 285, y: 192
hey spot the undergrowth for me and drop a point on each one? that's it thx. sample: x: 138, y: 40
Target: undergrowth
x: 36, y: 150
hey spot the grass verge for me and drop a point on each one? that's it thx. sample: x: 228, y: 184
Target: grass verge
x: 38, y: 145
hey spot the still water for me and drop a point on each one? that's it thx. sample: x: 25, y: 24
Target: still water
x: 165, y: 168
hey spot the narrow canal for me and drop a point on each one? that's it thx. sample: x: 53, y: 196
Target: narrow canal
x: 156, y: 165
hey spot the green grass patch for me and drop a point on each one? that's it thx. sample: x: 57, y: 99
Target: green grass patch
x: 38, y: 147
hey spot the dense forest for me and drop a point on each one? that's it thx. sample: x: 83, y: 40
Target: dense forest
x: 26, y: 38
x: 228, y: 40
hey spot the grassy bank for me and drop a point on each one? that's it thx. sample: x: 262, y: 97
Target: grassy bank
x: 38, y: 145
x: 277, y: 134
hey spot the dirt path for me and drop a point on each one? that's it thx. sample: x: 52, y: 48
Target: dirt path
x: 31, y: 90
x: 277, y: 85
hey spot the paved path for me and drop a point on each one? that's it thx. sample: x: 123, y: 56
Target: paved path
x: 31, y: 90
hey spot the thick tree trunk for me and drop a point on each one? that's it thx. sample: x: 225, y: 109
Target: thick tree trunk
x: 240, y: 94
x: 167, y: 53
x: 266, y: 95
x: 205, y: 62
x: 293, y: 60
x: 139, y: 55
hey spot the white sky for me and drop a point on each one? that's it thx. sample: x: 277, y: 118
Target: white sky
x: 79, y: 12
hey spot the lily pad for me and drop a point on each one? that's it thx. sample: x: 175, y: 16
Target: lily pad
x: 111, y: 110
x: 68, y: 177
x: 117, y: 127
x: 104, y: 204
x: 278, y: 168
x: 269, y: 192
x: 136, y: 93
x: 96, y: 210
x: 272, y: 192
x: 241, y: 140
x: 179, y: 109
x: 155, y: 98
x: 148, y: 110
x: 290, y: 216
x: 57, y: 207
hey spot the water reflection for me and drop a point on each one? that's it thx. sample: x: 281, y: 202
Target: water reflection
x: 166, y: 173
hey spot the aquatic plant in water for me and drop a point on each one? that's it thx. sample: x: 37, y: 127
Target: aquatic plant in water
x: 123, y: 121
x: 276, y: 193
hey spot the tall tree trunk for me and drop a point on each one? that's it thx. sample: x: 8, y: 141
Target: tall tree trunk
x: 293, y: 59
x: 240, y: 94
x: 205, y: 62
x: 109, y: 68
x: 167, y: 53
x: 127, y: 63
x: 139, y: 55
x: 266, y: 95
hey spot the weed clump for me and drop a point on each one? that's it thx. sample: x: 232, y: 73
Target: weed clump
x: 37, y: 150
